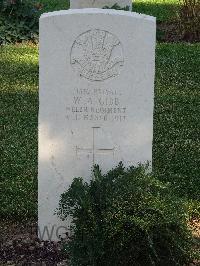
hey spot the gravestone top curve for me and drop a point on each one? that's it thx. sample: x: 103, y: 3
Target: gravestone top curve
x: 97, y: 11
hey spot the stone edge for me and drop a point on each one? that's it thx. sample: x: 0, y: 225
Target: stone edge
x: 98, y: 11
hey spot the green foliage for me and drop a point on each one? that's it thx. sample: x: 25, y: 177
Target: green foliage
x: 176, y: 147
x: 125, y: 217
x: 49, y: 5
x: 194, y: 210
x: 18, y: 21
x: 117, y: 7
x: 163, y: 10
x: 160, y: 35
x: 189, y: 19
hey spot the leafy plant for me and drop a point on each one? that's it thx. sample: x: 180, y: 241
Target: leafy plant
x: 189, y: 19
x: 125, y: 217
x: 117, y: 7
x: 19, y: 21
x: 160, y: 35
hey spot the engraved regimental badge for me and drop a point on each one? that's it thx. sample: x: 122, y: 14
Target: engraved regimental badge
x: 97, y: 55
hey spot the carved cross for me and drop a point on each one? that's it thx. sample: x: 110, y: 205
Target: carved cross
x: 93, y: 150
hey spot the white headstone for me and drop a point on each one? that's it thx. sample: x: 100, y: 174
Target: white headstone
x: 75, y: 4
x: 96, y: 99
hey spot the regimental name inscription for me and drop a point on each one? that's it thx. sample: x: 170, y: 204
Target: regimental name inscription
x: 96, y: 105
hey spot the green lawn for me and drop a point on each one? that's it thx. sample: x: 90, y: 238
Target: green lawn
x: 177, y: 117
x: 176, y: 123
x: 18, y: 112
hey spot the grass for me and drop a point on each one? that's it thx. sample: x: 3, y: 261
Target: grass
x: 176, y: 123
x: 177, y: 117
x: 18, y: 112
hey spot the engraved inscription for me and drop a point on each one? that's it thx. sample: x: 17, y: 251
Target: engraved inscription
x: 96, y: 105
x: 97, y: 55
x: 94, y: 150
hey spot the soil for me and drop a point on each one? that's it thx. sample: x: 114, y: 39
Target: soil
x: 19, y: 245
x: 195, y: 226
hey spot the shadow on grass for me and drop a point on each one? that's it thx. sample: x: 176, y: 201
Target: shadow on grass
x: 18, y: 182
x: 18, y: 76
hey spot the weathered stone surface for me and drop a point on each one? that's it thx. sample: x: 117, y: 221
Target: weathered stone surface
x: 96, y: 98
x: 74, y: 4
